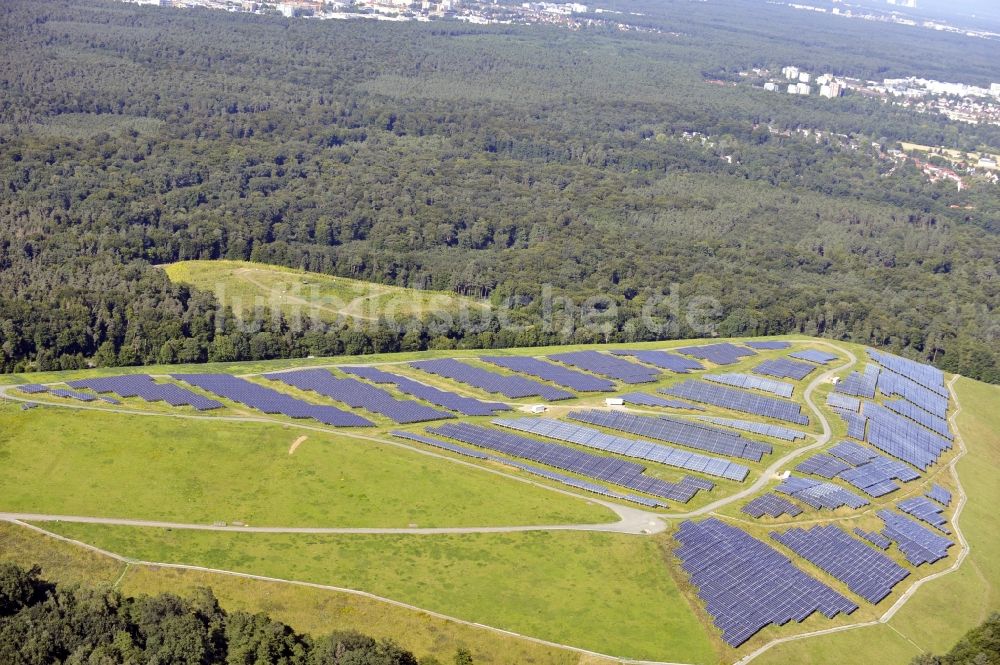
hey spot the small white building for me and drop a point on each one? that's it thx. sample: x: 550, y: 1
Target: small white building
x: 614, y: 401
x: 772, y: 87
x: 986, y: 163
x: 538, y: 408
x: 793, y: 89
x: 791, y: 73
x: 803, y: 88
x: 804, y: 77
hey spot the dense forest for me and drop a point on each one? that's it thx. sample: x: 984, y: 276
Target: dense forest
x: 43, y: 623
x: 497, y: 162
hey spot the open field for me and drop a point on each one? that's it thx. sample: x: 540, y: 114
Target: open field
x: 245, y: 286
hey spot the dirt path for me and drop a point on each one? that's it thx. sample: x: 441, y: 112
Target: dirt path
x: 297, y: 443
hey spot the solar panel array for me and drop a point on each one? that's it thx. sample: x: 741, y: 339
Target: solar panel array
x: 779, y: 388
x: 468, y: 406
x: 867, y: 572
x: 608, y: 365
x: 875, y: 477
x: 722, y: 353
x: 771, y: 505
x: 747, y: 584
x: 513, y: 387
x: 814, y: 356
x: 823, y: 465
x: 891, y: 384
x: 784, y: 368
x: 738, y: 400
x: 820, y: 494
x: 902, y: 438
x: 359, y: 395
x: 925, y: 510
x: 853, y: 453
x: 923, y: 374
x: 648, y: 399
x: 269, y: 400
x: 860, y: 384
x: 766, y: 345
x: 557, y: 374
x: 545, y: 473
x: 32, y: 388
x: 144, y: 387
x: 856, y: 424
x: 662, y: 359
x: 609, y: 469
x: 918, y: 544
x: 918, y: 415
x: 876, y: 539
x: 72, y: 394
x: 682, y: 432
x: 845, y: 402
x: 645, y: 450
x: 766, y: 429
x: 939, y: 494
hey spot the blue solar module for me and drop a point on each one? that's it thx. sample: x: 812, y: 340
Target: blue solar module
x: 608, y: 469
x: 845, y: 402
x: 513, y: 387
x: 891, y: 384
x: 814, y: 356
x: 32, y: 388
x: 860, y: 384
x: 939, y: 494
x: 72, y: 394
x: 645, y: 450
x: 857, y: 424
x: 356, y: 394
x: 109, y: 400
x: 648, y: 399
x: 853, y: 453
x: 144, y: 387
x: 738, y: 400
x: 771, y: 505
x: 269, y: 400
x: 682, y: 432
x: 918, y: 544
x: 465, y: 405
x: 608, y: 365
x: 749, y: 381
x: 820, y: 494
x: 918, y: 415
x: 722, y: 353
x: 902, y: 438
x: 875, y: 477
x: 925, y: 375
x: 821, y: 464
x: 867, y: 572
x: 747, y: 584
x: 557, y: 374
x: 784, y: 368
x: 925, y: 510
x: 766, y: 429
x: 765, y: 345
x: 438, y: 443
x: 662, y: 359
x: 876, y: 539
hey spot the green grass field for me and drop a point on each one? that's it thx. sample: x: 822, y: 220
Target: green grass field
x: 146, y: 467
x: 245, y: 286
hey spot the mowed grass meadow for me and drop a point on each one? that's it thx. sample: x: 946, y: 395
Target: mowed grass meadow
x: 100, y: 464
x: 605, y: 592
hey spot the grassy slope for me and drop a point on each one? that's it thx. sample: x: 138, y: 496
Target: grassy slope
x: 944, y: 609
x: 315, y: 611
x: 604, y: 592
x: 201, y: 471
x: 244, y: 286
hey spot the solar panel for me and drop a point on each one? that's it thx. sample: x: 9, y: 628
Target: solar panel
x: 766, y: 345
x: 902, y: 438
x: 557, y: 374
x: 784, y: 368
x: 921, y: 373
x: 857, y: 424
x: 144, y: 387
x: 771, y: 505
x: 682, y: 432
x: 738, y: 400
x: 72, y: 394
x: 648, y: 399
x: 918, y: 544
x: 662, y: 359
x: 513, y: 387
x: 814, y: 356
x: 853, y: 453
x: 269, y: 400
x: 891, y: 384
x: 925, y: 510
x: 860, y: 384
x: 32, y: 388
x: 722, y: 353
x: 645, y: 450
x: 820, y: 494
x: 765, y: 429
x: 465, y: 405
x: 821, y: 464
x: 867, y: 572
x: 747, y: 584
x: 749, y: 381
x: 939, y: 494
x: 876, y: 539
x: 845, y: 402
x: 918, y: 415
x: 608, y: 469
x: 438, y: 443
x: 608, y: 365
x: 356, y: 394
x: 875, y: 476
